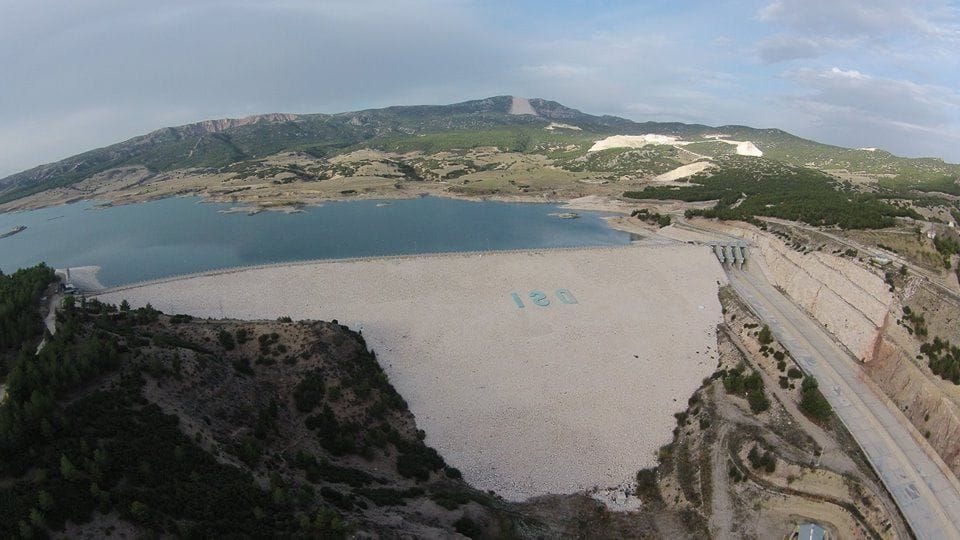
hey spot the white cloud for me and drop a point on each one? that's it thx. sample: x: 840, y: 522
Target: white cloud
x: 559, y: 70
x: 866, y: 110
x: 894, y: 99
x: 813, y: 28
x: 858, y: 17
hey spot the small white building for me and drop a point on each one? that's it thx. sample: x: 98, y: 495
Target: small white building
x: 810, y: 531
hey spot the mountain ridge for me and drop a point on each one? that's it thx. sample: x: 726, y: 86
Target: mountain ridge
x: 225, y: 141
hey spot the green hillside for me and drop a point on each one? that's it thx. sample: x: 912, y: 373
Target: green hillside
x: 471, y: 124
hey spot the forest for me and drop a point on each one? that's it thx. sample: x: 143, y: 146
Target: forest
x: 744, y: 190
x: 20, y: 322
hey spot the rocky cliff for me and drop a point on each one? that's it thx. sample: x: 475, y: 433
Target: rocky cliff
x: 926, y: 401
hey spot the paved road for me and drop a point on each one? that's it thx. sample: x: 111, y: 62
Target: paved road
x: 926, y: 491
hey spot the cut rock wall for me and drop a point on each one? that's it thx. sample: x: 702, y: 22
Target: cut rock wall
x: 847, y: 299
x: 921, y: 398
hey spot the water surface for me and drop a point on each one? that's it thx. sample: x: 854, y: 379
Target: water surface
x: 182, y: 235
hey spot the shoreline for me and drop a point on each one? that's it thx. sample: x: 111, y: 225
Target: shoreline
x: 614, y: 204
x: 615, y: 210
x: 84, y: 278
x: 307, y: 262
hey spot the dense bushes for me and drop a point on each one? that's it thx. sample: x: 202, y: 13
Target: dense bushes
x: 745, y: 188
x: 812, y: 402
x: 764, y: 336
x: 416, y: 460
x: 114, y: 451
x: 338, y: 438
x: 917, y: 322
x: 308, y: 394
x: 226, y: 340
x: 648, y: 490
x: 37, y: 381
x: 749, y: 386
x: 943, y: 359
x: 661, y: 220
x: 765, y: 460
x: 20, y: 320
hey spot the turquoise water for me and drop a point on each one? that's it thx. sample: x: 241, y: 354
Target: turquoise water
x: 182, y: 235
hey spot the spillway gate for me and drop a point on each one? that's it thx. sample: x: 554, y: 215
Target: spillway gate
x: 732, y: 254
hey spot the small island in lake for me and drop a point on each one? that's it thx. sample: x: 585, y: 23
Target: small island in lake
x: 13, y: 231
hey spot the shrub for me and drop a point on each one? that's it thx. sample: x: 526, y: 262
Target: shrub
x: 242, y: 366
x: 226, y: 340
x: 765, y: 336
x: 308, y: 393
x: 417, y: 460
x: 812, y: 402
x: 750, y: 386
x: 468, y: 528
x: 766, y: 460
x: 758, y: 401
x: 648, y: 490
x: 943, y: 359
x: 243, y: 335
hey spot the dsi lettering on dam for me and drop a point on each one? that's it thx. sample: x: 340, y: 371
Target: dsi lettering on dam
x: 533, y: 372
x: 541, y: 299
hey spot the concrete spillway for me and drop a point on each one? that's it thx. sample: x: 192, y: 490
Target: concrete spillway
x: 733, y: 254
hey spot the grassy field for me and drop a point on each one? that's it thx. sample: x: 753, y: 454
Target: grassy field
x: 916, y: 248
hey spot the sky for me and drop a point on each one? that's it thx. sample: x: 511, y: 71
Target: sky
x: 80, y: 74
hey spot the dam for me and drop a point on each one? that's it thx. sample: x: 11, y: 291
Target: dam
x: 531, y: 371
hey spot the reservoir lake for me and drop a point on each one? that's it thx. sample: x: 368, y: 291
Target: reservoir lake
x: 182, y: 235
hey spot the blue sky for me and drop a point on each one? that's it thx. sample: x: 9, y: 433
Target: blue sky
x: 77, y: 75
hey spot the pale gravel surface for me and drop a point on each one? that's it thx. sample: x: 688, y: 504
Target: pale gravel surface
x: 683, y: 171
x: 744, y: 148
x: 633, y: 141
x: 520, y: 105
x: 523, y: 401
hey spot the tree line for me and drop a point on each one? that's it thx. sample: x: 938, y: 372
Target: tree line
x: 774, y: 190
